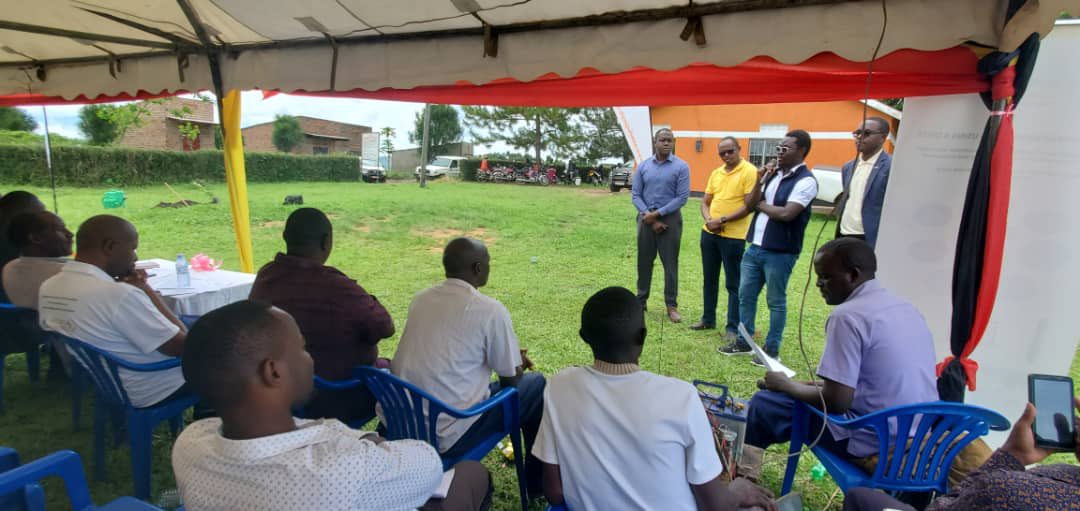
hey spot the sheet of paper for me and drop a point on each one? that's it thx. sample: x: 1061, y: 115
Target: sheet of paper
x: 444, y: 486
x: 771, y: 364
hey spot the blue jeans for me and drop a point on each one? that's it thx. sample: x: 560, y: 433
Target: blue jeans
x: 717, y: 251
x: 530, y: 409
x: 761, y: 268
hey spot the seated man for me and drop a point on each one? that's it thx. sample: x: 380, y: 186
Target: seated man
x: 247, y: 360
x: 99, y: 298
x: 616, y: 437
x: 1002, y: 483
x: 879, y: 353
x: 13, y: 204
x: 44, y: 243
x: 454, y: 338
x: 341, y: 322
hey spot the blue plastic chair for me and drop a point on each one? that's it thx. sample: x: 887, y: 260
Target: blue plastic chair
x: 67, y: 466
x: 403, y: 406
x: 336, y: 386
x: 13, y: 314
x: 79, y: 381
x: 103, y: 369
x: 917, y: 463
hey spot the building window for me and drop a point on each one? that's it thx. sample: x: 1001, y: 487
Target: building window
x: 320, y: 150
x: 762, y: 150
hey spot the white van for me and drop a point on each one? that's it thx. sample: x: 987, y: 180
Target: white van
x: 442, y: 166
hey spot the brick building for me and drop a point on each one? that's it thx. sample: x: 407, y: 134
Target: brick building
x: 321, y: 136
x: 161, y: 128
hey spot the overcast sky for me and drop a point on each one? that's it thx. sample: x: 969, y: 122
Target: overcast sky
x: 64, y: 119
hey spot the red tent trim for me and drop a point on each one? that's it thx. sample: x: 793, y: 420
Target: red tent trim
x: 823, y: 77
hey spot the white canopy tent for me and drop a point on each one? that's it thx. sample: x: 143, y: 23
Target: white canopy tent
x: 70, y: 48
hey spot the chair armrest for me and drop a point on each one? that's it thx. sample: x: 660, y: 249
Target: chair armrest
x: 63, y: 464
x: 479, y: 408
x: 323, y: 383
x: 839, y: 420
x: 9, y: 458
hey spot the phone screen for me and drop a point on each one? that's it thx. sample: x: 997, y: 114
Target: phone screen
x: 1053, y: 401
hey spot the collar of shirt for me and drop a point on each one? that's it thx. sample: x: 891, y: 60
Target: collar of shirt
x: 865, y: 287
x: 873, y: 159
x: 74, y: 266
x: 670, y: 158
x: 615, y: 369
x: 788, y: 172
x: 296, y: 261
x: 307, y: 433
x: 742, y: 163
x: 458, y: 283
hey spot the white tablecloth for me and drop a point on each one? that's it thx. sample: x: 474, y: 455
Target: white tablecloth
x: 209, y: 290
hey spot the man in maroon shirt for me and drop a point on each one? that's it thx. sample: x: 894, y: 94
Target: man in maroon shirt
x: 340, y: 321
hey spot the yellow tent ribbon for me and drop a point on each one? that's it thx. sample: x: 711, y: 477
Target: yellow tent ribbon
x: 236, y: 177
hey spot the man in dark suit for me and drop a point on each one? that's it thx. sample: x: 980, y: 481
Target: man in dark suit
x: 865, y: 179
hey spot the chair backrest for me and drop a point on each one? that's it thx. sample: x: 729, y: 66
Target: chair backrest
x: 404, y: 406
x: 103, y: 368
x: 938, y: 432
x: 20, y: 322
x: 64, y: 464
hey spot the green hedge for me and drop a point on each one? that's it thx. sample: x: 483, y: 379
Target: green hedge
x: 115, y: 166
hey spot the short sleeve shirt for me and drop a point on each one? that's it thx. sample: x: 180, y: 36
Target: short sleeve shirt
x: 728, y: 190
x: 454, y: 338
x: 321, y: 465
x: 85, y: 303
x: 878, y: 344
x: 631, y: 441
x: 23, y: 278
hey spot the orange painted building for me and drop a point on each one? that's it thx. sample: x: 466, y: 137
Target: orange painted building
x: 759, y: 128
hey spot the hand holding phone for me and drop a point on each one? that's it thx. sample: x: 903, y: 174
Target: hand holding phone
x: 1054, y: 424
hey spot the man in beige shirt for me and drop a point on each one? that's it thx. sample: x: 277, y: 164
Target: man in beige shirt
x: 865, y: 179
x: 43, y: 242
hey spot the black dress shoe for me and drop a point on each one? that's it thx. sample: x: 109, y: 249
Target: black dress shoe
x: 700, y: 325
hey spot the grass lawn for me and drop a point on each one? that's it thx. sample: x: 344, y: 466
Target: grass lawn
x: 390, y: 238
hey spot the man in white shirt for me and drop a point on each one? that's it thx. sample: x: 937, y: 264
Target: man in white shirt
x: 616, y: 437
x: 248, y: 361
x: 99, y: 298
x: 454, y: 338
x: 865, y: 180
x: 781, y: 201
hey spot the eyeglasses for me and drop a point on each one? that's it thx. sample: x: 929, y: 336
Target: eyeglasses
x: 865, y: 133
x: 728, y: 152
x: 781, y: 149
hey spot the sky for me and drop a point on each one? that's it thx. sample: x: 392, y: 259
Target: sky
x: 64, y: 119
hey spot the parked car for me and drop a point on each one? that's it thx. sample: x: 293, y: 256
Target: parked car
x: 442, y: 166
x: 372, y: 172
x: 621, y: 177
x: 830, y: 185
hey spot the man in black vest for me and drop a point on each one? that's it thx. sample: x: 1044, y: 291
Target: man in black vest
x: 781, y: 201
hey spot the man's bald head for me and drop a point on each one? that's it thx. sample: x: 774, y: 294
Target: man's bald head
x: 467, y: 259
x: 108, y: 242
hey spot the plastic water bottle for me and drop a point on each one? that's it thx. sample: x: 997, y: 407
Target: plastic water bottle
x: 183, y: 277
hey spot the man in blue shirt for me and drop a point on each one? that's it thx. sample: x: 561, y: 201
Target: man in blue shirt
x: 660, y: 189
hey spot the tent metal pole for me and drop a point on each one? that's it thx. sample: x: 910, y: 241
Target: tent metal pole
x: 424, y: 145
x: 48, y: 159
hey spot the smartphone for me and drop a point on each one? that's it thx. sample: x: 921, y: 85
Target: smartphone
x: 1052, y: 396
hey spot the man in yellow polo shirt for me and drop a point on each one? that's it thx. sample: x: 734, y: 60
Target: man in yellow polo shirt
x: 723, y: 237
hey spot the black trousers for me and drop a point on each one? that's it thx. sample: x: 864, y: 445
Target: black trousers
x: 666, y: 244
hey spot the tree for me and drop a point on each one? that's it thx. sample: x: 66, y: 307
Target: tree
x: 287, y: 133
x: 386, y: 136
x: 556, y: 130
x: 15, y: 119
x: 445, y: 128
x: 95, y: 126
x: 604, y: 136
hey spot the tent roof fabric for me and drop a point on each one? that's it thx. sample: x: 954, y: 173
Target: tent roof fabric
x: 69, y: 48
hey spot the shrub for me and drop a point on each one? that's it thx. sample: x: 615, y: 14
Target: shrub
x: 116, y: 166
